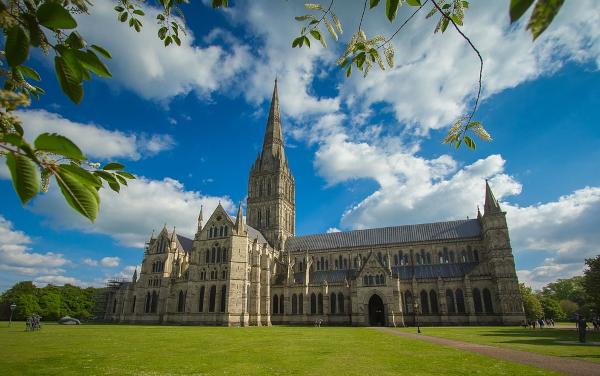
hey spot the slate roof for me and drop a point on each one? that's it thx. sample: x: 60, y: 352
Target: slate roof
x: 186, y: 243
x: 432, y: 271
x: 326, y: 275
x: 388, y: 235
x: 252, y: 232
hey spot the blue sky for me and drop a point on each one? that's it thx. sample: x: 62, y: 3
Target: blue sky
x: 188, y: 122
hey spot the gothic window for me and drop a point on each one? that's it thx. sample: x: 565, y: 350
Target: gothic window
x: 318, y: 265
x: 259, y: 222
x: 487, y: 301
x: 213, y: 255
x: 294, y: 304
x: 323, y: 264
x: 149, y: 282
x: 313, y: 304
x: 336, y: 265
x: 408, y: 302
x: 476, y: 255
x: 396, y: 260
x: 300, y: 304
x: 441, y: 258
x: 223, y: 298
x: 320, y: 304
x: 208, y: 256
x: 300, y: 266
x: 275, y: 304
x: 226, y: 230
x: 345, y: 263
x: 341, y: 303
x: 201, y: 300
x: 224, y: 253
x: 365, y: 281
x: 477, y: 301
x: 452, y: 257
x: 464, y: 256
x: 269, y: 188
x: 445, y: 255
x: 370, y: 280
x: 210, y: 233
x: 133, y: 305
x: 224, y: 274
x: 470, y: 253
x: 154, y: 302
x: 218, y: 254
x: 355, y: 263
x: 115, y: 306
x: 422, y: 256
x: 385, y: 260
x: 260, y: 190
x: 460, y: 301
x: 332, y: 307
x: 405, y: 259
x: 340, y: 259
x: 148, y: 302
x: 424, y: 302
x: 221, y: 231
x: 434, y: 302
x: 181, y: 302
x: 377, y: 279
x: 211, y: 299
x: 429, y: 258
x: 379, y: 257
x: 450, y: 301
x: 281, y: 301
x: 400, y: 258
x: 326, y: 264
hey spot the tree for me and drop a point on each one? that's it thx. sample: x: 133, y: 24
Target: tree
x: 552, y: 309
x: 531, y: 304
x: 569, y: 307
x: 591, y: 283
x: 13, y: 294
x: 25, y: 24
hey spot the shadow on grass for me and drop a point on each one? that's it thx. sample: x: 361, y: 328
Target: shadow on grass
x: 546, y: 337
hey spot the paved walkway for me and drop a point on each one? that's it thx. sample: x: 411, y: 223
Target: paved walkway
x: 549, y: 362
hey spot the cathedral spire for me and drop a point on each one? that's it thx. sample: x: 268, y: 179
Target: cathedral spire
x: 273, y: 143
x: 491, y: 204
x: 239, y: 220
x: 134, y: 279
x: 200, y: 220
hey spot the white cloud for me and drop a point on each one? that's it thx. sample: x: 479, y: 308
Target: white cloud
x: 130, y: 216
x: 333, y: 229
x: 42, y: 281
x: 90, y: 262
x: 94, y: 140
x: 110, y: 261
x: 16, y: 254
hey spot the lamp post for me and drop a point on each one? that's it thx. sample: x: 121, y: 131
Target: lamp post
x: 417, y: 314
x: 12, y: 308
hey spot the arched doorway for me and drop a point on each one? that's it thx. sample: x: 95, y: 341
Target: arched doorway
x: 376, y: 311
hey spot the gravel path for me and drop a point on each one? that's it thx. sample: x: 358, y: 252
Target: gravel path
x: 549, y: 362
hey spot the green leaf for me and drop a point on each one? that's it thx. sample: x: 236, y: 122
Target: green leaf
x: 138, y: 12
x: 75, y: 41
x: 24, y: 176
x: 315, y: 34
x: 54, y: 16
x: 13, y: 139
x: 90, y: 61
x: 114, y: 186
x: 518, y: 8
x: 28, y: 72
x: 296, y: 42
x: 458, y: 144
x: 18, y: 127
x: 69, y: 57
x: 121, y: 179
x: 86, y: 75
x: 123, y: 17
x: 16, y: 47
x: 472, y: 124
x: 119, y: 9
x: 81, y: 197
x: 162, y: 32
x: 469, y: 142
x: 542, y: 15
x: 445, y: 24
x: 349, y: 70
x: 391, y: 9
x: 177, y: 40
x: 102, y: 51
x: 126, y: 175
x: 168, y: 41
x: 160, y: 17
x: 307, y: 41
x: 81, y: 174
x: 69, y: 83
x: 113, y: 166
x: 414, y: 3
x: 373, y: 4
x: 34, y: 29
x: 57, y: 144
x: 39, y: 89
x: 106, y: 176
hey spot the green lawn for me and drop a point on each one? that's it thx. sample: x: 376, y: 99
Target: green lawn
x: 542, y: 341
x: 92, y: 349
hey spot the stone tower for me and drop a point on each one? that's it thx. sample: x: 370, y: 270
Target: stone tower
x: 501, y: 260
x: 271, y: 207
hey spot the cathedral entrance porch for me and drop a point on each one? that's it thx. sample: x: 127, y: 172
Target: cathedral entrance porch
x: 376, y: 311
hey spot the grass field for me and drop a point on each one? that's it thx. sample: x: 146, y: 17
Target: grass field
x: 92, y: 349
x: 542, y: 341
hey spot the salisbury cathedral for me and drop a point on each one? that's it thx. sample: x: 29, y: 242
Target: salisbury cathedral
x: 257, y: 272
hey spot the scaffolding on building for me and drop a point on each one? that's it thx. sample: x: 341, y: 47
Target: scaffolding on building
x: 102, y: 295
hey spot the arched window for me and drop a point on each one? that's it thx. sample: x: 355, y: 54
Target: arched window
x: 424, y: 303
x: 345, y: 263
x: 460, y: 301
x: 211, y: 299
x: 385, y: 260
x: 260, y: 190
x: 434, y: 302
x: 148, y: 302
x: 201, y: 300
x: 218, y: 254
x: 336, y: 265
x: 154, y: 302
x: 133, y: 305
x: 332, y: 308
x: 405, y: 259
x: 224, y: 254
x: 377, y: 279
x: 487, y: 301
x: 226, y: 230
x: 464, y: 256
x: 400, y: 257
x: 379, y: 257
x: 213, y: 255
x: 477, y: 301
x: 396, y: 260
x: 281, y: 302
x: 268, y: 188
x: 313, y: 304
x: 355, y: 263
x: 341, y: 303
x: 408, y: 302
x: 320, y: 304
x: 224, y: 274
x: 223, y: 298
x: 207, y: 256
x: 221, y: 231
x: 450, y: 301
x: 429, y: 258
x: 452, y: 257
x: 476, y: 255
x: 326, y: 264
x: 180, y: 302
x: 259, y: 218
x: 445, y: 255
x: 300, y: 304
x: 115, y: 306
x: 422, y: 256
x: 294, y: 304
x: 268, y: 218
x: 469, y: 253
x: 210, y: 233
x: 370, y: 280
x: 275, y: 304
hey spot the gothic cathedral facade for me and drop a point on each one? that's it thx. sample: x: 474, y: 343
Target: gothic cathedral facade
x: 257, y: 272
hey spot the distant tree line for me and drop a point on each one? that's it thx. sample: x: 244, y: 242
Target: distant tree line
x: 566, y: 298
x: 51, y: 302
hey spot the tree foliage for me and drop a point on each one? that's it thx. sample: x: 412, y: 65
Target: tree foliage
x: 569, y: 307
x: 531, y: 304
x: 552, y: 309
x: 591, y: 283
x: 51, y: 302
x: 27, y: 24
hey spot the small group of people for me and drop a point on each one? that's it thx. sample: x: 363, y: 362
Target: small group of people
x: 596, y: 323
x: 533, y: 323
x: 33, y: 322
